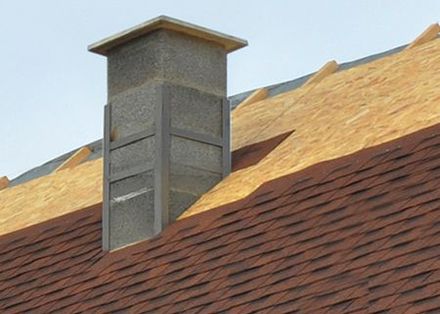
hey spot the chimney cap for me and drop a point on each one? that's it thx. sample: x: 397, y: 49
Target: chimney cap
x: 230, y: 43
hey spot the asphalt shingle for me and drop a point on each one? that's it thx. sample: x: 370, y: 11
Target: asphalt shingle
x: 354, y: 234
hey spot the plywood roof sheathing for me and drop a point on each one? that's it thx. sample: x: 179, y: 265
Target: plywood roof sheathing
x: 258, y: 95
x: 327, y: 69
x: 429, y: 34
x: 4, y: 182
x: 78, y: 157
x: 369, y: 104
x: 348, y: 111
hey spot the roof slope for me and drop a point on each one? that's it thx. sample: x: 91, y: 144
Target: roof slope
x: 355, y: 234
x: 50, y: 196
x: 349, y: 110
x: 283, y: 87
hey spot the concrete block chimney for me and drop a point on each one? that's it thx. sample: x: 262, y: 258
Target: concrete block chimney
x: 167, y: 124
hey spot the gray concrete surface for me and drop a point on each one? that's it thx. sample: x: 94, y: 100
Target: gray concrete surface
x: 166, y: 100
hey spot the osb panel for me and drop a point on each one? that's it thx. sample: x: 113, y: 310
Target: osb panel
x: 50, y: 196
x: 346, y: 112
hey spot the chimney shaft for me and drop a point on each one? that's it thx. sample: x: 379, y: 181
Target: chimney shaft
x: 167, y: 124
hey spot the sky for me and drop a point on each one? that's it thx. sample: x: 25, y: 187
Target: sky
x: 52, y: 90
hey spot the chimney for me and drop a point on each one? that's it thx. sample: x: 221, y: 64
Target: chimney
x: 166, y: 124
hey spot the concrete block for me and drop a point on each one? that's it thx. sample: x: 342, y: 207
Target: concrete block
x: 134, y: 110
x: 131, y: 219
x: 179, y: 201
x: 134, y: 63
x: 163, y: 76
x: 167, y: 56
x: 132, y: 184
x: 192, y: 62
x: 198, y: 155
x: 138, y: 154
x: 196, y: 111
x: 192, y: 180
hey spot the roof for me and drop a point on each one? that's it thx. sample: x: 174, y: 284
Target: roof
x: 345, y: 112
x: 279, y: 88
x: 354, y: 234
x: 375, y: 101
x: 234, y: 100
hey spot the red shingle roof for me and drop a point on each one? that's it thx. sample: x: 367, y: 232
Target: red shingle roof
x: 353, y: 235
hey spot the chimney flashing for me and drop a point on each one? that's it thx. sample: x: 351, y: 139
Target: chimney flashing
x: 229, y: 43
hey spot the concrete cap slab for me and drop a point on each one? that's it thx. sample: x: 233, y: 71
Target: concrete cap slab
x: 230, y: 43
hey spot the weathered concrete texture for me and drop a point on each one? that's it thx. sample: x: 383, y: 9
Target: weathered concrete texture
x: 167, y: 56
x: 163, y: 82
x: 179, y: 201
x: 191, y: 179
x: 126, y: 158
x: 195, y: 63
x: 195, y: 111
x: 195, y: 154
x: 133, y: 64
x: 187, y: 184
x: 133, y: 110
x: 131, y: 218
x: 128, y: 185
